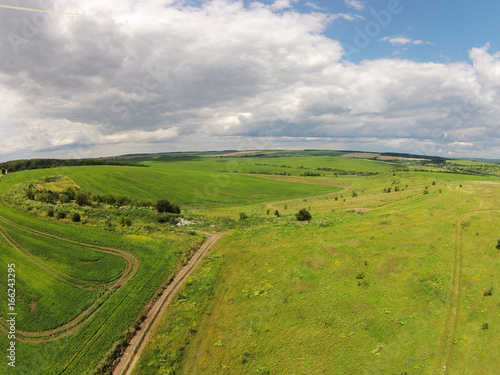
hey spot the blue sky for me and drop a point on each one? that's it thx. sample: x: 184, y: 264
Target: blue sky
x: 134, y: 76
x: 451, y: 27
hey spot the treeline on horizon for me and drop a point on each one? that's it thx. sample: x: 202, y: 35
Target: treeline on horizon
x: 23, y: 165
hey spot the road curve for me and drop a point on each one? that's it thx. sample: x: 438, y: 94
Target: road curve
x: 132, y: 353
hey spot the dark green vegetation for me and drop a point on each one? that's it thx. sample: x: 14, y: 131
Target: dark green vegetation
x: 333, y: 264
x: 22, y: 165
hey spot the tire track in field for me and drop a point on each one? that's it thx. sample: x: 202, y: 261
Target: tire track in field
x: 139, y: 341
x: 68, y: 328
x: 82, y: 284
x: 446, y: 347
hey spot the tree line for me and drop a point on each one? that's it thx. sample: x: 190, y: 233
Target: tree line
x: 22, y: 165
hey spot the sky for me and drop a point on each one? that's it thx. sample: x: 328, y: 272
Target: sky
x: 92, y: 79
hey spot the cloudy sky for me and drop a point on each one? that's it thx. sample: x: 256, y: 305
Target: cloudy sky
x: 100, y: 78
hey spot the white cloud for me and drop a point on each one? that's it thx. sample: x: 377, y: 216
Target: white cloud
x: 147, y: 76
x: 313, y: 6
x: 402, y: 40
x: 356, y: 4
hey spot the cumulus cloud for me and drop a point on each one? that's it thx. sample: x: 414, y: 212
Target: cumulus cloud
x: 127, y: 76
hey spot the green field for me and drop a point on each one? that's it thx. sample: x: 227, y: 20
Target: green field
x: 389, y: 277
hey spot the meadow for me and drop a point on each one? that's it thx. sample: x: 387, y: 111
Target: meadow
x: 371, y: 285
x: 390, y: 276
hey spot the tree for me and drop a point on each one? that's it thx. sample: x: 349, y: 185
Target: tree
x: 303, y: 215
x: 164, y: 206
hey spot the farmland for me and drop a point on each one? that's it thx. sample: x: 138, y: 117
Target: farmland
x: 390, y: 276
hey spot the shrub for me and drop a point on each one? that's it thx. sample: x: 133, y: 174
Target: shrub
x: 303, y: 215
x: 489, y: 292
x: 50, y: 212
x: 498, y: 244
x: 243, y: 216
x: 122, y: 200
x: 167, y: 218
x: 46, y: 197
x: 277, y: 213
x: 61, y: 215
x: 76, y: 217
x: 64, y: 198
x: 30, y: 194
x: 82, y: 199
x: 486, y: 326
x: 70, y: 192
x: 165, y: 206
x: 125, y: 221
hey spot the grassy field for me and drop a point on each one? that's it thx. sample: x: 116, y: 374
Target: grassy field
x: 390, y: 276
x: 369, y: 286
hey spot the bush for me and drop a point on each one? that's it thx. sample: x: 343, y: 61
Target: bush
x: 303, y: 215
x: 64, y: 198
x: 489, y: 292
x: 277, y: 213
x: 167, y: 218
x: 76, y: 217
x: 498, y: 244
x: 61, y: 215
x: 125, y: 221
x: 165, y: 206
x: 70, y: 192
x: 82, y: 199
x: 243, y: 216
x: 30, y: 194
x: 50, y: 212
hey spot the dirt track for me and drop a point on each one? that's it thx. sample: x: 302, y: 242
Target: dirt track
x: 446, y: 346
x: 139, y: 341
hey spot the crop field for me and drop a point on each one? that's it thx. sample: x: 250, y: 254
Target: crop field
x: 396, y: 272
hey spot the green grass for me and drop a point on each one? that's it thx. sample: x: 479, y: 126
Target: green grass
x: 58, y: 301
x: 38, y: 292
x: 70, y: 259
x: 186, y: 186
x: 300, y: 299
x: 365, y: 285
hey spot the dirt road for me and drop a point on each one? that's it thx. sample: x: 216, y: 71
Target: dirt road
x: 139, y: 341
